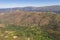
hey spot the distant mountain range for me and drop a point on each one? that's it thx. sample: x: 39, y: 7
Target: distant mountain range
x: 55, y: 8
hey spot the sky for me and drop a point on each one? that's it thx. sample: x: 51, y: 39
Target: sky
x: 24, y: 3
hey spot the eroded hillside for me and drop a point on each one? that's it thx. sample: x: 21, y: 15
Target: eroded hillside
x: 27, y: 18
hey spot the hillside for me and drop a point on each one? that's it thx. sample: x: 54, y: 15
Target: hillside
x: 23, y: 25
x: 27, y: 18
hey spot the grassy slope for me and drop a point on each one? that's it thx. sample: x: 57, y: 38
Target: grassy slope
x: 23, y: 33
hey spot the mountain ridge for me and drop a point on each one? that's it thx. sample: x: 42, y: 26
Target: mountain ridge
x: 54, y: 8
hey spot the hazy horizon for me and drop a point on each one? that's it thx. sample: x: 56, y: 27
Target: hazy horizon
x: 25, y: 3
